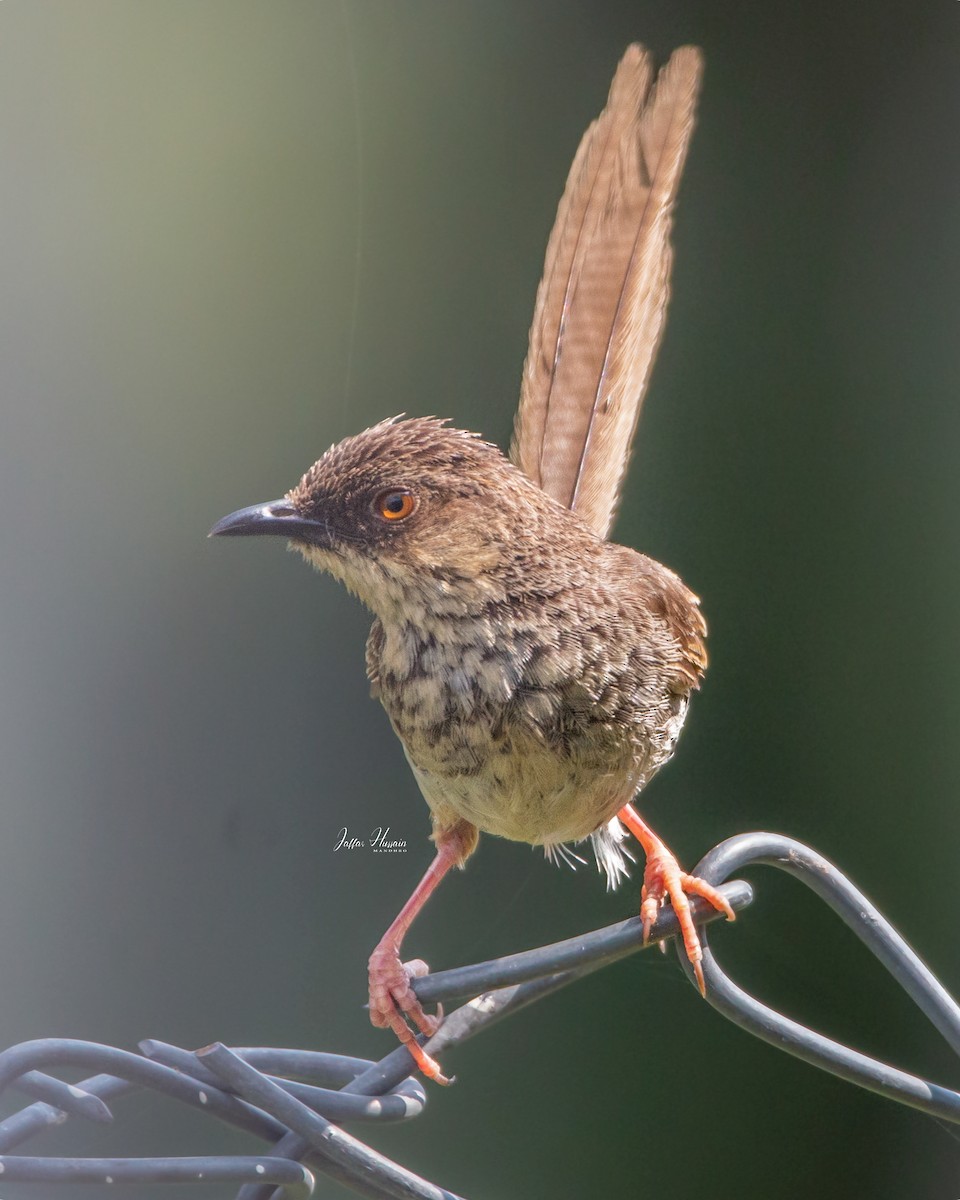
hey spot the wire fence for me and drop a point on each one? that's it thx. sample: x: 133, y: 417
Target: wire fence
x: 296, y: 1100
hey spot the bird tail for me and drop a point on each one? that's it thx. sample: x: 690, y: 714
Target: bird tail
x: 602, y: 301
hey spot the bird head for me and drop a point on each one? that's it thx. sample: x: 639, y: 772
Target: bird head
x: 407, y: 509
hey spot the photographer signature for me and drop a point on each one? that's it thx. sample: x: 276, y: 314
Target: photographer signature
x: 381, y: 841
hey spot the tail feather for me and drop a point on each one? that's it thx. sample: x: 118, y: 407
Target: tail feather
x: 601, y: 304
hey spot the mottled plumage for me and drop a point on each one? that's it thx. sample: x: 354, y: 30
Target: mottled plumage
x: 536, y: 674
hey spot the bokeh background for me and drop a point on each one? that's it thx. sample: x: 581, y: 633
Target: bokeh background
x: 233, y: 232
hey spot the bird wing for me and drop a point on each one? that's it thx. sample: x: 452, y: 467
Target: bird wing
x: 601, y: 304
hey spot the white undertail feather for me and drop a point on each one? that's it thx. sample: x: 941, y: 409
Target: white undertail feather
x: 559, y: 852
x: 601, y: 304
x: 609, y: 850
x: 611, y: 853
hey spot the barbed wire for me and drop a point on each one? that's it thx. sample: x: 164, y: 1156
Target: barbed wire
x: 291, y: 1099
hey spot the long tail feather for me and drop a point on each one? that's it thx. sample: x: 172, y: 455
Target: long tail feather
x: 602, y: 301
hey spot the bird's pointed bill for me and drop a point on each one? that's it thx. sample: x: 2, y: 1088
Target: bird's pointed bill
x: 278, y: 518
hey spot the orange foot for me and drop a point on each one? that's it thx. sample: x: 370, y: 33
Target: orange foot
x: 393, y: 1003
x: 662, y: 881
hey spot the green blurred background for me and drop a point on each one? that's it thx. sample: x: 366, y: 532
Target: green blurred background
x: 233, y: 232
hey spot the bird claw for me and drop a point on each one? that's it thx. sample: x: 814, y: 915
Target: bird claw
x: 664, y: 881
x: 394, y: 1005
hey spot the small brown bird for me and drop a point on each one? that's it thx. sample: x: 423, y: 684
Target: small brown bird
x: 537, y: 675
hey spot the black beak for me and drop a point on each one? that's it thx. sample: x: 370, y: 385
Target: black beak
x: 278, y: 518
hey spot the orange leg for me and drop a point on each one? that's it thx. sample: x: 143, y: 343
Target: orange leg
x: 663, y: 880
x: 393, y: 1001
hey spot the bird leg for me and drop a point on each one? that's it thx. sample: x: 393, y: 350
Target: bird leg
x: 393, y: 1002
x: 663, y: 880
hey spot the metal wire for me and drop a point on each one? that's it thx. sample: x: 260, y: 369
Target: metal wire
x: 291, y: 1098
x: 876, y: 933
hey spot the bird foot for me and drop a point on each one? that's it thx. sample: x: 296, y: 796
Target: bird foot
x: 664, y: 881
x: 394, y: 1004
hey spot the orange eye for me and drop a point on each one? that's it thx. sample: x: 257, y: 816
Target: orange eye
x: 395, y: 506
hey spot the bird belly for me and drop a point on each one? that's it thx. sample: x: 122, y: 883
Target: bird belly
x: 533, y: 748
x: 526, y: 793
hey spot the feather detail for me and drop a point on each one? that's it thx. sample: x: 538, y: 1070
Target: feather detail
x: 611, y: 854
x: 560, y: 852
x: 602, y: 301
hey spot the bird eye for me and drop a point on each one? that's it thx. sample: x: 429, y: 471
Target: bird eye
x: 396, y: 505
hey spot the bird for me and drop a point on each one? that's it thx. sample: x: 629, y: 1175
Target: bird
x: 537, y: 674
